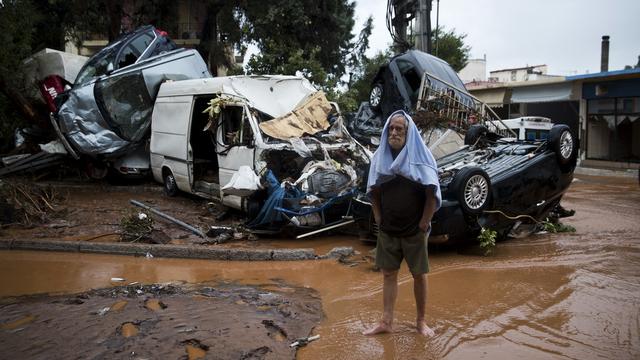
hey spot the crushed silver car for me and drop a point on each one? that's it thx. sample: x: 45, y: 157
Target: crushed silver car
x: 107, y: 112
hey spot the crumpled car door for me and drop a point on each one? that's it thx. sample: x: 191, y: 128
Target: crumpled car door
x: 235, y: 146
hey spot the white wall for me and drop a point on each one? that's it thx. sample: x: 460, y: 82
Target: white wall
x: 521, y: 74
x: 476, y: 70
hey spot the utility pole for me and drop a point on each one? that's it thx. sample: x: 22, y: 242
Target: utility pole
x: 423, y: 26
x: 400, y: 22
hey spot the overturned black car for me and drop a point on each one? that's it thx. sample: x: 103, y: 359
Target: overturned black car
x: 507, y: 186
x: 503, y: 184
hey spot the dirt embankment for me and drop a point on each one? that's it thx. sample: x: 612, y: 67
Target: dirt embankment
x: 225, y: 321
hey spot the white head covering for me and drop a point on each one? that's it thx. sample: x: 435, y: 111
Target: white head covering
x: 414, y: 162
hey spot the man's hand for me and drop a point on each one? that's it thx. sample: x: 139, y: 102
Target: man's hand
x: 375, y: 205
x: 429, y: 209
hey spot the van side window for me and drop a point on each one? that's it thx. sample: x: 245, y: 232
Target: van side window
x: 235, y: 126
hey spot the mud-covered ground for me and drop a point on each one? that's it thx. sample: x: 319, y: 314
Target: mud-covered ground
x: 546, y: 296
x: 222, y: 321
x: 93, y: 210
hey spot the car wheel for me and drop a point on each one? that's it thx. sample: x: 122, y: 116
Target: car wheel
x: 170, y: 185
x: 375, y: 97
x: 473, y: 190
x: 563, y: 144
x: 474, y: 134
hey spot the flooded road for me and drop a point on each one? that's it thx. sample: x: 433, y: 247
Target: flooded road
x: 571, y: 296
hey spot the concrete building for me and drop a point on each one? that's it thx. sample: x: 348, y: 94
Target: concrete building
x: 475, y: 71
x: 527, y: 73
x: 602, y: 110
x: 610, y: 118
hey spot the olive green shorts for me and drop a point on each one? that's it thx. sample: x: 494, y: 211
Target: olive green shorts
x: 392, y: 249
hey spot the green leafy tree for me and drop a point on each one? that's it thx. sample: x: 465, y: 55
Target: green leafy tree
x: 313, y: 37
x: 17, y: 29
x: 361, y: 81
x: 451, y: 48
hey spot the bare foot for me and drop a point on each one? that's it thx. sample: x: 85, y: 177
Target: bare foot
x: 378, y: 329
x: 424, y: 330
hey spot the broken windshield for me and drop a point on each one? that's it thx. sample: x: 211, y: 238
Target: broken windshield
x: 98, y: 64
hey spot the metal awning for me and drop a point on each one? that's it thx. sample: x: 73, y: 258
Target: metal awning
x: 543, y: 93
x: 492, y: 97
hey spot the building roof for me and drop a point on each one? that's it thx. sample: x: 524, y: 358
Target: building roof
x: 518, y: 68
x: 604, y: 74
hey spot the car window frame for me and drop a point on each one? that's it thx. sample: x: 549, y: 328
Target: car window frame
x: 154, y: 37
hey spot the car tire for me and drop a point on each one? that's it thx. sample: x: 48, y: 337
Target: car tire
x: 170, y: 184
x: 375, y: 96
x: 472, y: 189
x: 474, y: 134
x: 562, y: 142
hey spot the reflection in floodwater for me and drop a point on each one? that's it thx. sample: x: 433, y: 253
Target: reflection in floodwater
x: 571, y: 296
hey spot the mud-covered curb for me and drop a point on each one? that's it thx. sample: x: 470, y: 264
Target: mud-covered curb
x: 174, y: 251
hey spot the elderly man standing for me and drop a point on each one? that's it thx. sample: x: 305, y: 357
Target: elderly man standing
x: 405, y: 193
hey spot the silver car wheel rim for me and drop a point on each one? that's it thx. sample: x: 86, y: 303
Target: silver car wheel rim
x: 170, y: 183
x: 566, y: 144
x: 376, y: 93
x: 476, y: 192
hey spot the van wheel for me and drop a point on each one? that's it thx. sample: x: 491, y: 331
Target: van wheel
x: 170, y: 185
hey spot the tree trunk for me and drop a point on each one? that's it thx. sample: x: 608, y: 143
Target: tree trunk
x: 114, y: 14
x: 209, y: 44
x: 16, y: 97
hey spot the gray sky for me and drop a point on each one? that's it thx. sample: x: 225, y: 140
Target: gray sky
x: 564, y: 34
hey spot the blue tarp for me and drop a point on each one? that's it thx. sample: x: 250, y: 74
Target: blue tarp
x: 268, y: 214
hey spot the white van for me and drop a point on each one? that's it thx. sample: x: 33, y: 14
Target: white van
x: 259, y: 125
x: 527, y: 127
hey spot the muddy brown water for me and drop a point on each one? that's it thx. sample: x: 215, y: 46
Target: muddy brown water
x: 547, y: 296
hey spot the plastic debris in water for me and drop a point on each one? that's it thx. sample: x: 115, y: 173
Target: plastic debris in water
x: 304, y: 341
x: 117, y: 279
x: 103, y: 311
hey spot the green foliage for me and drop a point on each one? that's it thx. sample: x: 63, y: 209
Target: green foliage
x: 451, y: 48
x: 360, y: 82
x: 17, y: 29
x: 557, y: 227
x: 10, y: 120
x: 487, y: 240
x: 136, y: 225
x: 312, y: 37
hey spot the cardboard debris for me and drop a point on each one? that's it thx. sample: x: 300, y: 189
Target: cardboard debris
x: 309, y: 118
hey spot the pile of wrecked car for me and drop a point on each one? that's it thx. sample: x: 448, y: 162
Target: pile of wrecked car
x: 276, y: 149
x: 507, y: 175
